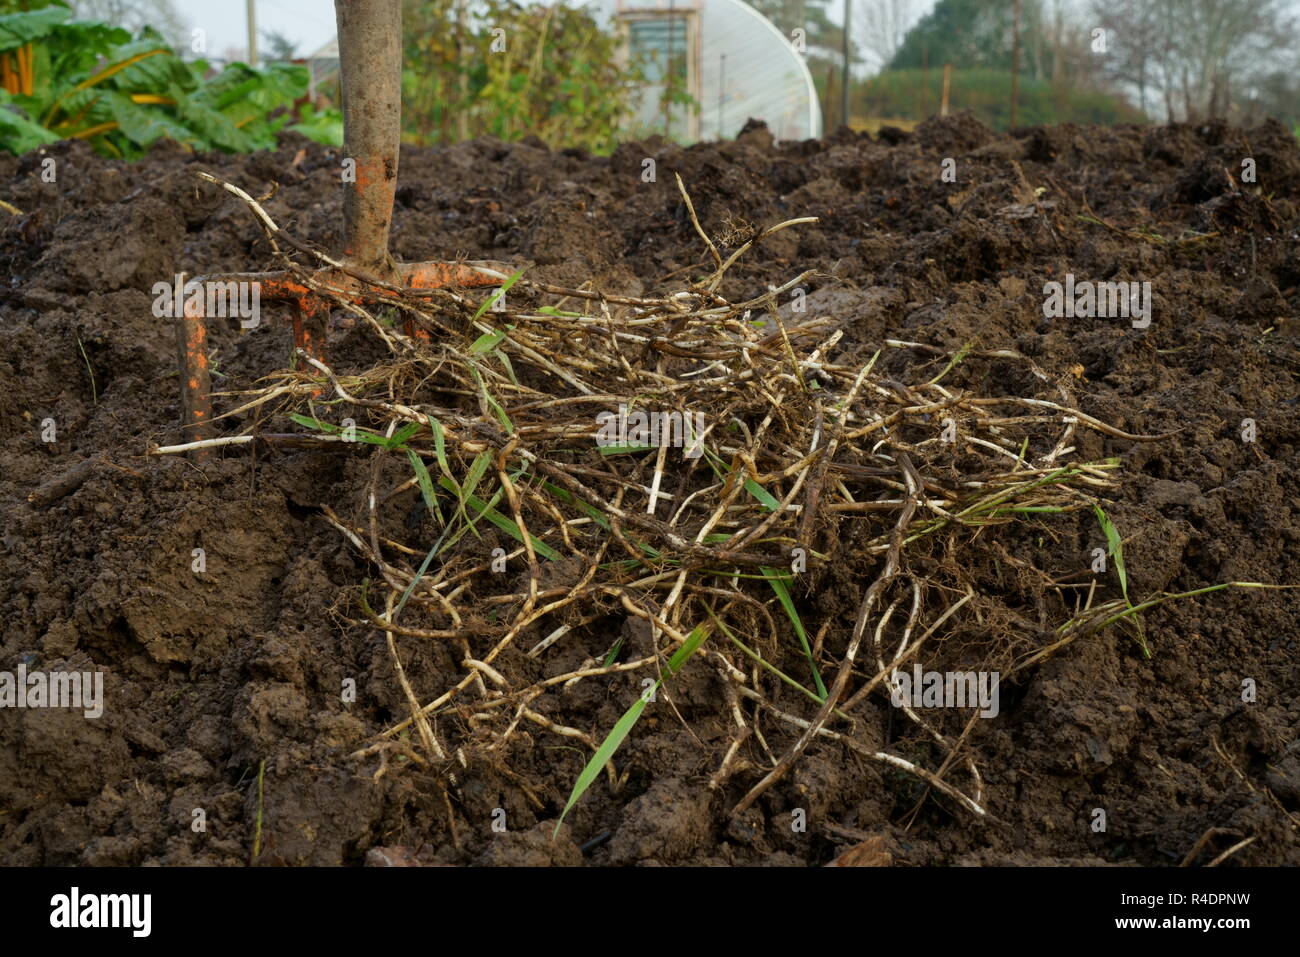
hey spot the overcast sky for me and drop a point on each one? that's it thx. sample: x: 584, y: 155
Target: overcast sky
x: 310, y: 23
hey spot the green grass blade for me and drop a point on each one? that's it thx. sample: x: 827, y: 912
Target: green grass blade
x: 497, y: 410
x: 306, y: 421
x: 470, y: 523
x: 624, y: 725
x: 489, y: 341
x: 777, y: 581
x: 464, y: 489
x: 613, y: 652
x: 426, y: 485
x: 624, y: 449
x: 440, y: 447
x: 477, y: 469
x: 595, y: 514
x: 758, y: 659
x: 424, y: 567
x: 490, y: 301
x: 486, y: 510
x: 398, y: 438
x: 508, y: 366
x: 953, y: 363
x: 363, y: 435
x: 1115, y: 546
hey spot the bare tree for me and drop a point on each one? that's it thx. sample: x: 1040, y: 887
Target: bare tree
x: 134, y: 14
x: 1192, y: 53
x: 882, y: 24
x: 1138, y: 47
x: 1067, y: 40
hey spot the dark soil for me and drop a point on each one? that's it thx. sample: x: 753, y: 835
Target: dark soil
x: 208, y: 676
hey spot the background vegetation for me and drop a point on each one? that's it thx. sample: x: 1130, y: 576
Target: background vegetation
x: 558, y: 76
x: 1162, y: 60
x: 120, y: 73
x: 987, y: 92
x: 83, y: 79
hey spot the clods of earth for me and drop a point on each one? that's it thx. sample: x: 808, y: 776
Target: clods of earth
x: 223, y: 689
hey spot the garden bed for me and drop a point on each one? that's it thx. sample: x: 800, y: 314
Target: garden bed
x: 225, y: 688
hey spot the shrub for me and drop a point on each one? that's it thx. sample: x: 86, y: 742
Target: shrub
x: 987, y: 93
x: 558, y: 76
x: 62, y: 79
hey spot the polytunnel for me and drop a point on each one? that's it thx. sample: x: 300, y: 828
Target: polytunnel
x: 731, y: 60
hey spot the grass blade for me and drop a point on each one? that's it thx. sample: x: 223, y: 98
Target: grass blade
x: 624, y: 449
x: 440, y: 446
x: 490, y: 301
x: 485, y: 510
x: 1115, y: 546
x: 363, y: 435
x: 465, y: 489
x: 777, y: 581
x: 497, y: 410
x: 763, y: 495
x: 396, y: 440
x: 426, y: 485
x: 595, y: 514
x: 477, y: 469
x: 489, y: 341
x: 623, y: 726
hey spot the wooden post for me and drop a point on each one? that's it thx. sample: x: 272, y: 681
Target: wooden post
x: 925, y: 79
x: 947, y: 81
x: 722, y: 89
x: 1015, y: 58
x: 462, y: 72
x: 250, y: 15
x: 844, y: 87
x: 830, y: 98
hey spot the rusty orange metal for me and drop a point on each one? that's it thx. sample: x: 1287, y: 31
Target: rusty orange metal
x: 309, y: 319
x: 369, y: 36
x: 196, y: 378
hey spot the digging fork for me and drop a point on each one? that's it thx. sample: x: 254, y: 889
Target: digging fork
x: 370, y: 64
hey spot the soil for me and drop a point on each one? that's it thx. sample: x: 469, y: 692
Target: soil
x: 225, y: 685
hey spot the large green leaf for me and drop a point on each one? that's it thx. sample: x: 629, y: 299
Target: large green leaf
x: 71, y: 54
x: 281, y: 83
x: 88, y: 72
x: 18, y: 29
x: 277, y: 85
x: 18, y: 133
x: 81, y: 108
x: 145, y: 66
x: 144, y: 126
x: 216, y: 128
x: 88, y: 39
x: 323, y: 126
